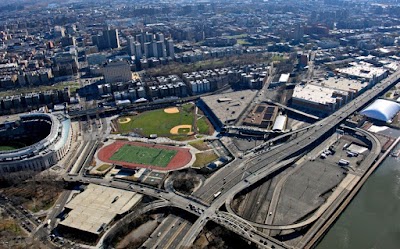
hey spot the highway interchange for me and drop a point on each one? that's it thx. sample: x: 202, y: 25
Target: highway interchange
x: 244, y: 172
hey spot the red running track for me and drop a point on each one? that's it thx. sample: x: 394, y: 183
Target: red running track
x: 181, y: 158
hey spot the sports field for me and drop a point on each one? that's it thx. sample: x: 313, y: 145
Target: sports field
x: 166, y: 122
x: 11, y: 146
x: 6, y: 148
x: 158, y: 121
x: 144, y: 155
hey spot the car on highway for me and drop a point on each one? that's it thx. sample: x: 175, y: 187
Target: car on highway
x: 217, y: 194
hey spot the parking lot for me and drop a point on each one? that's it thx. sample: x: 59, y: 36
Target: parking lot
x: 309, y: 186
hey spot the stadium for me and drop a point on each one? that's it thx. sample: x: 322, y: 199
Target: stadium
x: 33, y: 142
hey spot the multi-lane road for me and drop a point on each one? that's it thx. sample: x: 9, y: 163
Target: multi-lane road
x: 227, y: 180
x: 243, y: 173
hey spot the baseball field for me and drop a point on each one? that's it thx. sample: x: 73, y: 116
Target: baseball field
x: 170, y: 122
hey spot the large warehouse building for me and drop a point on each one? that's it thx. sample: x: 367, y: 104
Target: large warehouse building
x: 38, y: 141
x: 225, y: 109
x: 92, y: 211
x: 319, y: 98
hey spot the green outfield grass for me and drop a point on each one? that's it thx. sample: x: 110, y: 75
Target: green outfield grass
x: 6, y: 148
x: 144, y: 155
x: 12, y: 146
x: 158, y: 122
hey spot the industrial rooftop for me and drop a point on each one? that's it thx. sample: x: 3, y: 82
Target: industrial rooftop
x: 362, y: 70
x: 228, y: 106
x: 340, y: 83
x: 317, y: 94
x: 97, y: 206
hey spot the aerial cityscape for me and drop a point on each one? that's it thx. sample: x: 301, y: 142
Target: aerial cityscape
x: 200, y: 124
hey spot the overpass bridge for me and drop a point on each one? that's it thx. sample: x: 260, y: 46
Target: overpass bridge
x: 226, y: 179
x: 339, y: 193
x: 170, y: 199
x: 229, y: 181
x: 248, y: 130
x: 308, y: 115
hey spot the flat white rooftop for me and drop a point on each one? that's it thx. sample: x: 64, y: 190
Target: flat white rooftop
x: 284, y: 78
x: 316, y: 94
x: 362, y: 70
x: 97, y: 206
x: 340, y: 83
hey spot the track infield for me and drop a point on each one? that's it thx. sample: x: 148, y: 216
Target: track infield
x: 142, y: 155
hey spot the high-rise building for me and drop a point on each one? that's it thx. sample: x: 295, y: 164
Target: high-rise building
x: 149, y: 37
x: 68, y: 41
x: 131, y: 45
x: 138, y: 51
x: 147, y: 49
x: 109, y: 39
x: 170, y: 48
x: 161, y: 49
x: 153, y: 50
x: 139, y: 38
x: 134, y: 48
x: 150, y: 49
x: 160, y: 37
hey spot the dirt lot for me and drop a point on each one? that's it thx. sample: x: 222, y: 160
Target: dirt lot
x: 138, y: 235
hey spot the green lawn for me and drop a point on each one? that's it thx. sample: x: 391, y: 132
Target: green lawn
x: 199, y: 144
x: 202, y: 159
x: 236, y: 36
x: 103, y: 167
x: 144, y: 155
x: 203, y: 126
x: 158, y: 122
x: 243, y: 42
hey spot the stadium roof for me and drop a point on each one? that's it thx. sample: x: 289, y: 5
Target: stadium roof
x: 383, y: 110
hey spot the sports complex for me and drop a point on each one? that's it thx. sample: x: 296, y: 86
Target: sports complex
x: 143, y: 155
